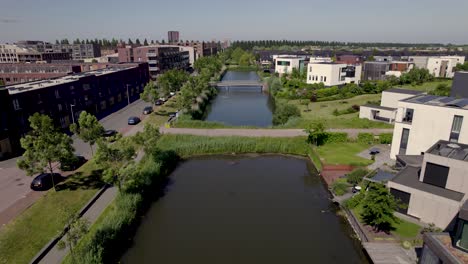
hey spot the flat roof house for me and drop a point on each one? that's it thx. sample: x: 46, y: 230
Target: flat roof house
x: 387, y: 110
x: 332, y: 74
x: 424, y: 119
x: 438, y: 66
x: 284, y: 64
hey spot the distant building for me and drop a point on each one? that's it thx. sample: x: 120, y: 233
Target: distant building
x: 98, y: 92
x: 202, y: 49
x: 323, y: 70
x: 438, y: 66
x: 387, y: 110
x: 16, y: 54
x: 173, y: 36
x: 284, y: 64
x: 349, y: 59
x: 460, y: 85
x: 375, y: 70
x: 75, y: 51
x: 160, y: 58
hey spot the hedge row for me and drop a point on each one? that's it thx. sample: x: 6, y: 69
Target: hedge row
x: 368, y: 138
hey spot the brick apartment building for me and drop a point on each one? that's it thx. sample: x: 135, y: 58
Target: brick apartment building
x: 99, y: 92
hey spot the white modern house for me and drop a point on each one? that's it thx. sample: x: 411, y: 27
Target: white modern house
x: 9, y: 53
x: 424, y: 119
x: 332, y: 74
x: 284, y: 64
x: 439, y: 66
x: 387, y: 110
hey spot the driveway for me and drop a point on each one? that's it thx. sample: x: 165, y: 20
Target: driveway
x: 15, y: 193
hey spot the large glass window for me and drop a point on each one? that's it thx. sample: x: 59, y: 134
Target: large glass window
x: 462, y: 239
x: 456, y: 128
x: 404, y: 141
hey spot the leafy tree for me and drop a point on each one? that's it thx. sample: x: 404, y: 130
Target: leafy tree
x: 284, y: 112
x: 137, y: 41
x: 88, y: 129
x: 246, y: 59
x: 172, y: 81
x: 356, y: 176
x: 152, y: 42
x: 237, y: 54
x: 317, y: 133
x: 78, y: 227
x: 462, y: 67
x: 2, y: 83
x: 115, y: 158
x: 441, y: 90
x: 145, y: 42
x: 150, y: 92
x: 163, y: 41
x: 43, y: 146
x: 148, y: 138
x: 130, y: 42
x: 57, y: 41
x: 378, y: 208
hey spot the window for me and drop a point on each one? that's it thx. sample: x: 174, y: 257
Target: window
x: 16, y: 104
x: 57, y: 94
x: 59, y: 106
x: 408, y: 118
x: 404, y: 198
x: 456, y: 128
x: 325, y: 78
x: 321, y: 78
x: 404, y: 141
x: 436, y: 174
x: 310, y: 77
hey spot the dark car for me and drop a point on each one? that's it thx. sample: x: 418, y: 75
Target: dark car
x: 158, y: 102
x: 43, y: 181
x: 72, y: 163
x: 133, y: 120
x: 109, y: 133
x: 147, y: 110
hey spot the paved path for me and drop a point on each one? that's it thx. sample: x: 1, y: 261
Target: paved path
x: 352, y: 133
x: 55, y: 255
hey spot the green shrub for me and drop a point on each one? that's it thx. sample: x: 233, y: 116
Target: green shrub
x: 355, y: 200
x: 386, y: 138
x: 335, y: 137
x: 366, y: 138
x: 339, y: 188
x: 284, y: 112
x: 355, y: 177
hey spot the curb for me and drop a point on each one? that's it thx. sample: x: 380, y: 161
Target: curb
x: 45, y: 250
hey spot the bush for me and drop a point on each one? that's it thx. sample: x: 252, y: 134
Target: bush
x: 386, y: 138
x: 284, y: 112
x: 339, y: 188
x: 366, y: 138
x: 355, y: 200
x: 335, y: 137
x: 355, y: 177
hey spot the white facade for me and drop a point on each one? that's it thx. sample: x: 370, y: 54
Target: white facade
x: 438, y: 66
x: 425, y: 123
x: 333, y: 74
x: 320, y: 59
x: 9, y: 53
x: 284, y: 64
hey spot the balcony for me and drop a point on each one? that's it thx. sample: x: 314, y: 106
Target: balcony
x: 151, y: 54
x: 152, y: 61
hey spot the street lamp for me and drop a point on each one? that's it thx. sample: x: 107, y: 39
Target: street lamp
x: 72, y: 114
x: 128, y: 95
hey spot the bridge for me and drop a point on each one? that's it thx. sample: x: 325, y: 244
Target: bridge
x: 236, y: 83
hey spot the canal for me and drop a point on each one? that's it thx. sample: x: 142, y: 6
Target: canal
x: 241, y: 106
x: 249, y: 209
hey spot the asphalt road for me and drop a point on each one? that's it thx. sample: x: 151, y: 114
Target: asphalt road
x: 14, y: 183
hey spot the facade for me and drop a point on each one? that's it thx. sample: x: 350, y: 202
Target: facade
x: 375, y: 70
x: 9, y: 53
x: 440, y: 66
x: 173, y: 36
x: 332, y: 74
x: 424, y: 119
x: 434, y: 190
x: 159, y: 58
x: 79, y: 51
x: 6, y: 126
x: 202, y: 49
x: 284, y: 64
x: 444, y: 248
x: 349, y: 59
x: 387, y: 110
x: 99, y: 92
x: 23, y: 54
x: 460, y: 85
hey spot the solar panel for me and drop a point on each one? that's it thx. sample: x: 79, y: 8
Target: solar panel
x: 426, y: 98
x: 462, y: 103
x: 447, y: 99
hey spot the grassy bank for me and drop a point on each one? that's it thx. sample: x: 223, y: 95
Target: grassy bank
x: 427, y: 86
x: 343, y: 154
x: 21, y: 239
x: 188, y: 145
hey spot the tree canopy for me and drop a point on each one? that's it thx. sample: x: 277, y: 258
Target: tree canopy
x: 378, y: 208
x: 88, y: 128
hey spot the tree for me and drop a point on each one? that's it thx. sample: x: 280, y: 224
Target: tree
x: 130, y: 42
x: 284, y: 112
x: 78, y: 227
x: 43, y: 146
x: 148, y: 138
x: 150, y: 92
x: 114, y: 159
x: 171, y: 81
x: 441, y: 90
x: 145, y: 42
x: 57, y: 41
x: 378, y: 208
x: 88, y: 129
x: 137, y: 42
x: 2, y: 83
x: 317, y: 133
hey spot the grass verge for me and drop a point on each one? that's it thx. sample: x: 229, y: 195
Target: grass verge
x: 343, y: 154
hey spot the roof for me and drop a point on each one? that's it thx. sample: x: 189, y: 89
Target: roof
x: 25, y: 87
x: 411, y: 160
x: 403, y: 91
x: 442, y: 101
x: 379, y: 107
x: 460, y: 85
x: 449, y: 150
x: 381, y: 176
x: 409, y: 177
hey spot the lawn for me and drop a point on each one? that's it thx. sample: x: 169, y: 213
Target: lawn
x: 343, y: 154
x: 428, y: 86
x: 324, y: 111
x: 161, y: 113
x: 403, y: 230
x: 21, y: 239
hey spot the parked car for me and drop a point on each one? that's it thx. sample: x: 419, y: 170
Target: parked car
x: 133, y: 120
x: 158, y: 102
x: 164, y: 99
x: 109, y: 133
x: 147, y: 110
x: 172, y: 94
x: 72, y: 163
x: 43, y: 181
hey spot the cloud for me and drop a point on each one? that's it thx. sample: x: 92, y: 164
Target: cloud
x: 9, y: 20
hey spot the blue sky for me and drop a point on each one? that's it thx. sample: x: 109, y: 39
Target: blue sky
x: 343, y: 20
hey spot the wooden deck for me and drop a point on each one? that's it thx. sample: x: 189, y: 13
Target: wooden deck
x: 387, y: 253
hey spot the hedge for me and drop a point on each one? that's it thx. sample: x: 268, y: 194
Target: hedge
x: 366, y: 138
x: 386, y: 138
x: 335, y: 137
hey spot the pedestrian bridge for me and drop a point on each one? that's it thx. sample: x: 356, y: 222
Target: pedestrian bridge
x: 237, y: 83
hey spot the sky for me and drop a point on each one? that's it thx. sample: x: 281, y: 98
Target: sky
x: 414, y: 21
